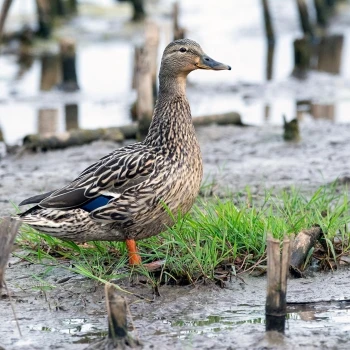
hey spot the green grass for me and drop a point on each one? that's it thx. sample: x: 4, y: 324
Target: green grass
x: 218, y: 235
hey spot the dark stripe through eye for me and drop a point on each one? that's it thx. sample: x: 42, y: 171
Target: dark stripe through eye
x: 183, y: 49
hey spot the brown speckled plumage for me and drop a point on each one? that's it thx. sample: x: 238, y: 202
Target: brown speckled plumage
x: 141, y: 181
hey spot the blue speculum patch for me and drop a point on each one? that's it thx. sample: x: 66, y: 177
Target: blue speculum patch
x: 96, y: 203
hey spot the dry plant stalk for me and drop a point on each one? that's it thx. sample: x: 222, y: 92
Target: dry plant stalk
x: 118, y: 337
x: 302, y: 244
x: 8, y: 230
x: 277, y: 274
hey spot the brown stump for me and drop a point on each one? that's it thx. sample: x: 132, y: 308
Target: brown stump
x: 50, y: 72
x: 68, y: 66
x: 330, y: 51
x: 8, y: 230
x: 118, y: 337
x: 277, y: 273
x: 302, y: 244
x: 302, y: 57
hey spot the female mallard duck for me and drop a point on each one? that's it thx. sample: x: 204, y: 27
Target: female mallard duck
x: 126, y: 195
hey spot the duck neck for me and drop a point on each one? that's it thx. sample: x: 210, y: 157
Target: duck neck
x: 172, y: 122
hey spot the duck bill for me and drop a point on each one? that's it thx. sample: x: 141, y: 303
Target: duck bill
x: 206, y: 62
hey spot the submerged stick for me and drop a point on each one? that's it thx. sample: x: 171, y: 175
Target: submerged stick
x: 118, y: 337
x: 277, y: 273
x: 302, y: 244
x: 79, y: 137
x: 3, y: 15
x: 8, y: 230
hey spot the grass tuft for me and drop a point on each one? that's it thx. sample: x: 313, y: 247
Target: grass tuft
x: 218, y: 235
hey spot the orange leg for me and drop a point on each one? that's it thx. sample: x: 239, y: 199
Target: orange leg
x: 134, y: 257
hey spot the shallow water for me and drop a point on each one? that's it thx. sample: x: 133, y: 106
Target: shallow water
x: 231, y: 32
x: 72, y: 314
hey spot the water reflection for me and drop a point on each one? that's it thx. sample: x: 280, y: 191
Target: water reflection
x: 47, y: 121
x: 71, y: 114
x: 269, y: 61
x: 259, y: 86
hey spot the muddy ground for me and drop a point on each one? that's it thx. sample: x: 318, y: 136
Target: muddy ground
x: 72, y: 312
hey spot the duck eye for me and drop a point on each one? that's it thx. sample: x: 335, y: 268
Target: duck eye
x: 183, y: 49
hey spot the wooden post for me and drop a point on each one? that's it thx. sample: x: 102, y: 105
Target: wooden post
x: 69, y: 73
x: 277, y: 273
x: 8, y: 231
x: 118, y: 337
x: 179, y: 32
x: 71, y: 112
x: 47, y: 121
x: 144, y: 104
x: 139, y: 10
x: 3, y: 15
x: 137, y: 53
x: 304, y: 18
x: 302, y: 57
x: 50, y: 72
x: 151, y: 44
x: 330, y: 51
x: 44, y: 18
x: 269, y: 32
x: 269, y: 60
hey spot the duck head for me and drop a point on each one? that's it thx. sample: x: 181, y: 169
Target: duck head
x: 184, y: 56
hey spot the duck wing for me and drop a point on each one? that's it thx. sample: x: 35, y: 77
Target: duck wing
x: 105, y: 179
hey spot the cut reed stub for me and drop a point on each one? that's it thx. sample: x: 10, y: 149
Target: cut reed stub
x: 277, y: 273
x: 8, y: 231
x: 118, y: 337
